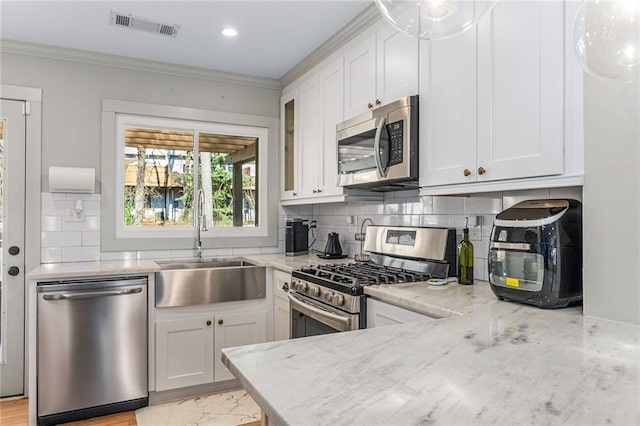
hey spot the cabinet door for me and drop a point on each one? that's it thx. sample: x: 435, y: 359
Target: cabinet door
x: 520, y: 90
x: 381, y: 314
x: 184, y: 353
x: 360, y: 76
x: 289, y: 149
x: 281, y: 282
x: 396, y: 64
x: 282, y: 330
x: 308, y: 152
x: 236, y: 330
x: 331, y: 113
x: 448, y: 110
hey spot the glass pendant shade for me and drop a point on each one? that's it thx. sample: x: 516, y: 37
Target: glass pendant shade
x: 434, y: 19
x: 607, y: 38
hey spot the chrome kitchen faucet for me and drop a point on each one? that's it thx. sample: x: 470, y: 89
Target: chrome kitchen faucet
x: 201, y: 221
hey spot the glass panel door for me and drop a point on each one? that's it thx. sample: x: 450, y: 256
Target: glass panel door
x: 12, y: 212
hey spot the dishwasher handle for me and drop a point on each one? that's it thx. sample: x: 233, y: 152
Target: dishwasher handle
x: 91, y: 294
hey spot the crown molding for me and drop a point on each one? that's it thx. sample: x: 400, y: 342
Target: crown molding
x: 83, y: 56
x: 362, y: 21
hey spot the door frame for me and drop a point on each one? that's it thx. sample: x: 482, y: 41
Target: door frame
x: 33, y: 184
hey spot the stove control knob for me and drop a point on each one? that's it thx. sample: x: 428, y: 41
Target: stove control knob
x: 328, y: 296
x: 315, y: 291
x: 294, y: 284
x: 302, y: 286
x: 338, y: 299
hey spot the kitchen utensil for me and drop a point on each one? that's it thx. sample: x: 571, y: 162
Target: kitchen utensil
x: 333, y: 245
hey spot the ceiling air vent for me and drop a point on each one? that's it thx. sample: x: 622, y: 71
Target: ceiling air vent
x: 142, y: 24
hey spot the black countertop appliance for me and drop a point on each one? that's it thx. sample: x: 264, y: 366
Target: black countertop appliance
x: 535, y: 253
x: 296, y: 238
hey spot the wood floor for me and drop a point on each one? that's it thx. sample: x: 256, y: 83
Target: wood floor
x: 14, y: 412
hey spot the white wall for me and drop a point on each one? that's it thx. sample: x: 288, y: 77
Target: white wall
x: 72, y: 94
x: 612, y: 200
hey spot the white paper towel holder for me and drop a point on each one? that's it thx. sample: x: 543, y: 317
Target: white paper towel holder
x: 76, y: 180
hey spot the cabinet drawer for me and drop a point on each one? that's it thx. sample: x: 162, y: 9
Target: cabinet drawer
x: 281, y: 283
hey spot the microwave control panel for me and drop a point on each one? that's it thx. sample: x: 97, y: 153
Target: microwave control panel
x: 395, y: 143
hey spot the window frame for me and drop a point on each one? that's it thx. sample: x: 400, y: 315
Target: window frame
x: 119, y: 114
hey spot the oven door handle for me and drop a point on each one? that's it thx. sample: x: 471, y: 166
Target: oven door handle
x: 334, y: 321
x: 376, y: 148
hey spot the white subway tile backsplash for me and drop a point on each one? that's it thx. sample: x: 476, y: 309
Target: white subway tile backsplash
x: 434, y: 220
x: 80, y: 254
x: 216, y: 252
x: 245, y: 250
x: 574, y: 192
x: 53, y: 196
x: 394, y: 208
x: 118, y: 255
x: 61, y: 239
x: 482, y: 205
x: 51, y: 255
x: 51, y: 224
x: 514, y: 197
x: 84, y: 197
x: 91, y: 238
x: 448, y: 205
x: 154, y: 254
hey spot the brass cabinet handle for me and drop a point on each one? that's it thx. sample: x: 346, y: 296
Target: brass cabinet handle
x: 285, y: 286
x: 295, y: 193
x: 467, y: 172
x: 319, y: 190
x: 370, y: 105
x: 378, y: 101
x: 220, y: 321
x: 315, y: 191
x: 209, y: 322
x: 481, y: 170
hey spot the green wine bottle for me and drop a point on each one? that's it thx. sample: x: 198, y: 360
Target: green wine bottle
x: 465, y: 259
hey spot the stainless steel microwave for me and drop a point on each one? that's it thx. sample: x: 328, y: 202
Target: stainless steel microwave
x: 379, y: 150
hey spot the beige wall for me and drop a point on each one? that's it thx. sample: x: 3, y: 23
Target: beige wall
x: 612, y: 200
x: 72, y: 94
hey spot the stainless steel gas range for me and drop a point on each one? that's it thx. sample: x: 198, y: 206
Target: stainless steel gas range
x: 330, y: 298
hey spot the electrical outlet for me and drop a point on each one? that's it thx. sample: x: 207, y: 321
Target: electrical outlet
x: 475, y: 233
x: 72, y: 216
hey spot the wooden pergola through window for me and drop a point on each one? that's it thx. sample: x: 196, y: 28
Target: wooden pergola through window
x: 240, y: 150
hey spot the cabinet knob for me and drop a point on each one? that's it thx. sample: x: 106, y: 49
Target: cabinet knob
x: 369, y: 105
x: 208, y: 322
x: 295, y: 193
x: 467, y: 172
x: 14, y: 250
x: 13, y: 271
x: 481, y: 170
x: 319, y: 190
x: 315, y: 191
x: 220, y: 322
x: 285, y: 286
x: 378, y: 101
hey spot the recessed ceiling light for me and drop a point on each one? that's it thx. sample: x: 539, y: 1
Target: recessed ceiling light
x: 229, y: 32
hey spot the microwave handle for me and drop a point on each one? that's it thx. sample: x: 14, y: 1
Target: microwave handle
x: 376, y: 148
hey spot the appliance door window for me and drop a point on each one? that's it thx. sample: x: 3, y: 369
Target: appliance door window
x: 357, y: 153
x: 312, y: 318
x: 516, y: 269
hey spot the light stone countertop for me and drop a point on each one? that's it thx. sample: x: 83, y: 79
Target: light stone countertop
x: 289, y: 263
x: 53, y: 271
x: 496, y: 363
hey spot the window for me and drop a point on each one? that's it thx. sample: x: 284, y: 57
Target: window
x: 163, y: 166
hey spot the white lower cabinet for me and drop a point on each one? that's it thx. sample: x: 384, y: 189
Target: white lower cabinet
x: 236, y: 330
x: 184, y: 352
x: 380, y: 314
x: 281, y: 328
x: 188, y: 350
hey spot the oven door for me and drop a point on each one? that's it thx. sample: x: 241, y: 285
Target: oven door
x: 310, y: 317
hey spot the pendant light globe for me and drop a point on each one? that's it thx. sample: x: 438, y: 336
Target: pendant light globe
x: 606, y: 37
x: 434, y: 19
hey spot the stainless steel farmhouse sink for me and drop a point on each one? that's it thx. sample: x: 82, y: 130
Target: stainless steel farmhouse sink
x: 203, y: 281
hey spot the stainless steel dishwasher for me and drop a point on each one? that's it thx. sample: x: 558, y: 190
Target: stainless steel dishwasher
x: 92, y: 348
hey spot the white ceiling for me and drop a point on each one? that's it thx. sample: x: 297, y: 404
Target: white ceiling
x: 273, y: 35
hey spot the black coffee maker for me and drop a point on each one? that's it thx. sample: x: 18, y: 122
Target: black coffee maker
x: 296, y: 238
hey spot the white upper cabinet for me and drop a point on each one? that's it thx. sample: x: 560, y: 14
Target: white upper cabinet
x: 360, y: 75
x: 448, y: 110
x: 381, y: 66
x: 289, y: 147
x: 520, y: 90
x: 396, y: 65
x: 331, y: 83
x: 494, y: 104
x: 309, y: 141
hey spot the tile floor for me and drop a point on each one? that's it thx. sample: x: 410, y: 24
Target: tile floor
x: 221, y: 409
